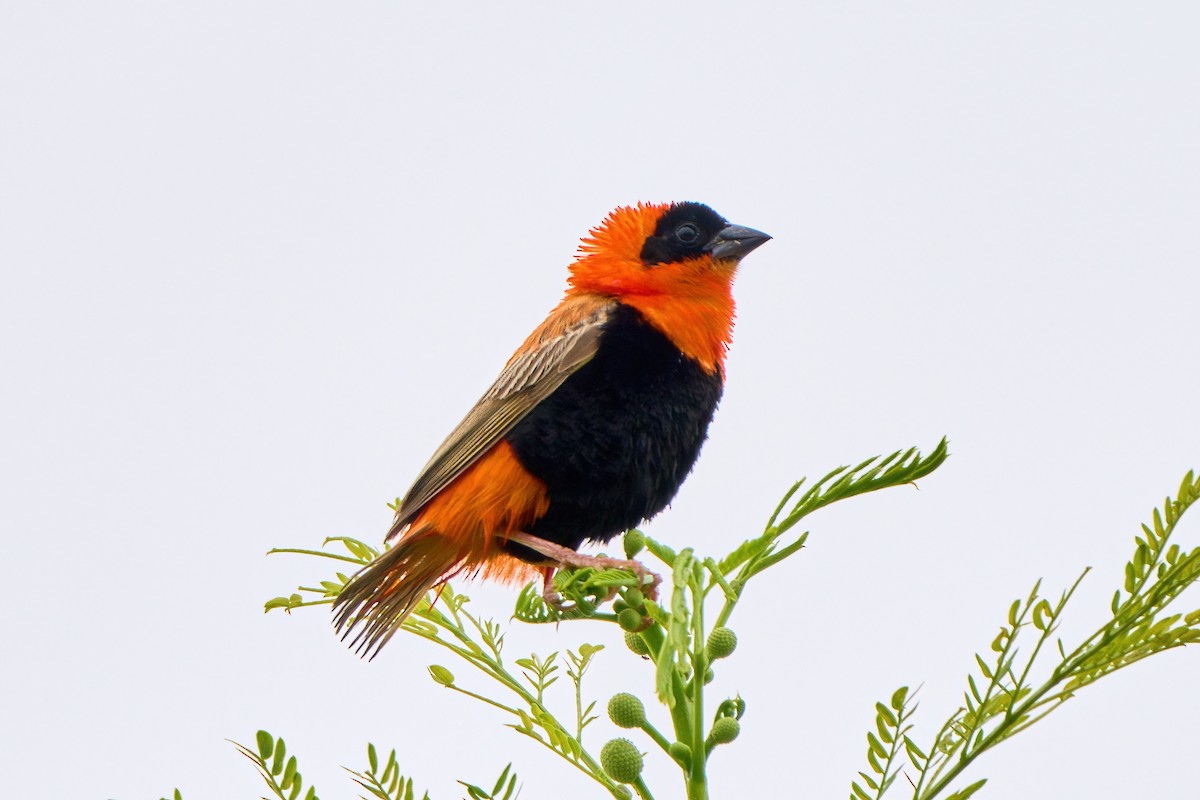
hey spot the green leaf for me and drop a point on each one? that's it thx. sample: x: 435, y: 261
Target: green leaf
x: 664, y: 675
x: 441, y: 675
x: 289, y: 773
x: 679, y: 631
x: 974, y: 689
x: 280, y: 755
x: 963, y: 794
x: 660, y: 551
x: 266, y: 744
x: 586, y: 651
x: 501, y: 780
x: 372, y: 758
x: 983, y: 667
x: 884, y: 732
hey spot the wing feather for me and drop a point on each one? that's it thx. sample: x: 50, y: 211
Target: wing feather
x: 541, y: 366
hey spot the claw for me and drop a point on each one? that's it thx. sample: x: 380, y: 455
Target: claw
x: 550, y: 595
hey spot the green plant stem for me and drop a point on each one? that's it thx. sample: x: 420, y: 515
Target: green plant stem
x: 588, y: 766
x: 321, y: 553
x: 487, y: 700
x: 307, y: 603
x: 643, y: 791
x: 698, y: 780
x: 658, y: 738
x: 986, y: 742
x: 681, y: 720
x: 579, y: 709
x: 494, y: 667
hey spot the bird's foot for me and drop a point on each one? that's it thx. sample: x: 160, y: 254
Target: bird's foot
x: 566, y: 557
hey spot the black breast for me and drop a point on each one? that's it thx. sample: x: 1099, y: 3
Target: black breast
x: 615, y: 441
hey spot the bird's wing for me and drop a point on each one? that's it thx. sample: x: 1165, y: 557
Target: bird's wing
x: 563, y: 344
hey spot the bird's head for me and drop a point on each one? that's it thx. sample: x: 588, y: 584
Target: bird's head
x: 661, y: 249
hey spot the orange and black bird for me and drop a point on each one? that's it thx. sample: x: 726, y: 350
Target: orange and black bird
x: 590, y: 429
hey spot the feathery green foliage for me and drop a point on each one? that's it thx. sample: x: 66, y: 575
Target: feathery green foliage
x: 686, y: 628
x: 280, y: 772
x: 1002, y: 696
x: 677, y: 633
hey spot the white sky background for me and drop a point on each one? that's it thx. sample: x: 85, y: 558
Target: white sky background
x: 258, y: 258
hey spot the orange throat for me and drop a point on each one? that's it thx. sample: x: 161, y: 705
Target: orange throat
x: 701, y: 328
x: 691, y: 302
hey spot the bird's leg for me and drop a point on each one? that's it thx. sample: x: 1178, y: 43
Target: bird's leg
x: 566, y: 557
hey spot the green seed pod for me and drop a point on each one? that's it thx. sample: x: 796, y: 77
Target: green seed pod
x: 635, y: 643
x: 634, y: 543
x: 681, y: 753
x: 630, y: 620
x: 724, y: 730
x: 721, y: 643
x: 626, y: 711
x: 621, y: 760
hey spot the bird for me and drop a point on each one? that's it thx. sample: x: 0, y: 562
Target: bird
x: 590, y: 429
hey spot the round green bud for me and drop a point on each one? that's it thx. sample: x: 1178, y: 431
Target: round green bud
x: 626, y: 711
x: 721, y: 643
x: 630, y: 620
x: 621, y: 760
x: 635, y: 541
x: 681, y: 753
x: 636, y: 644
x: 634, y: 598
x: 622, y: 793
x: 708, y: 676
x: 725, y: 730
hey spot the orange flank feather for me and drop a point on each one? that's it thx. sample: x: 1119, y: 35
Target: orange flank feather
x: 494, y: 498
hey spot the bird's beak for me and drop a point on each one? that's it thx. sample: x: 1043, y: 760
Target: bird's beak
x: 735, y: 241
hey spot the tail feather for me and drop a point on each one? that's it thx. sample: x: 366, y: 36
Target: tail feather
x: 376, y: 601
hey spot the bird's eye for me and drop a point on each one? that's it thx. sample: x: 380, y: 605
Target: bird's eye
x: 687, y: 233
